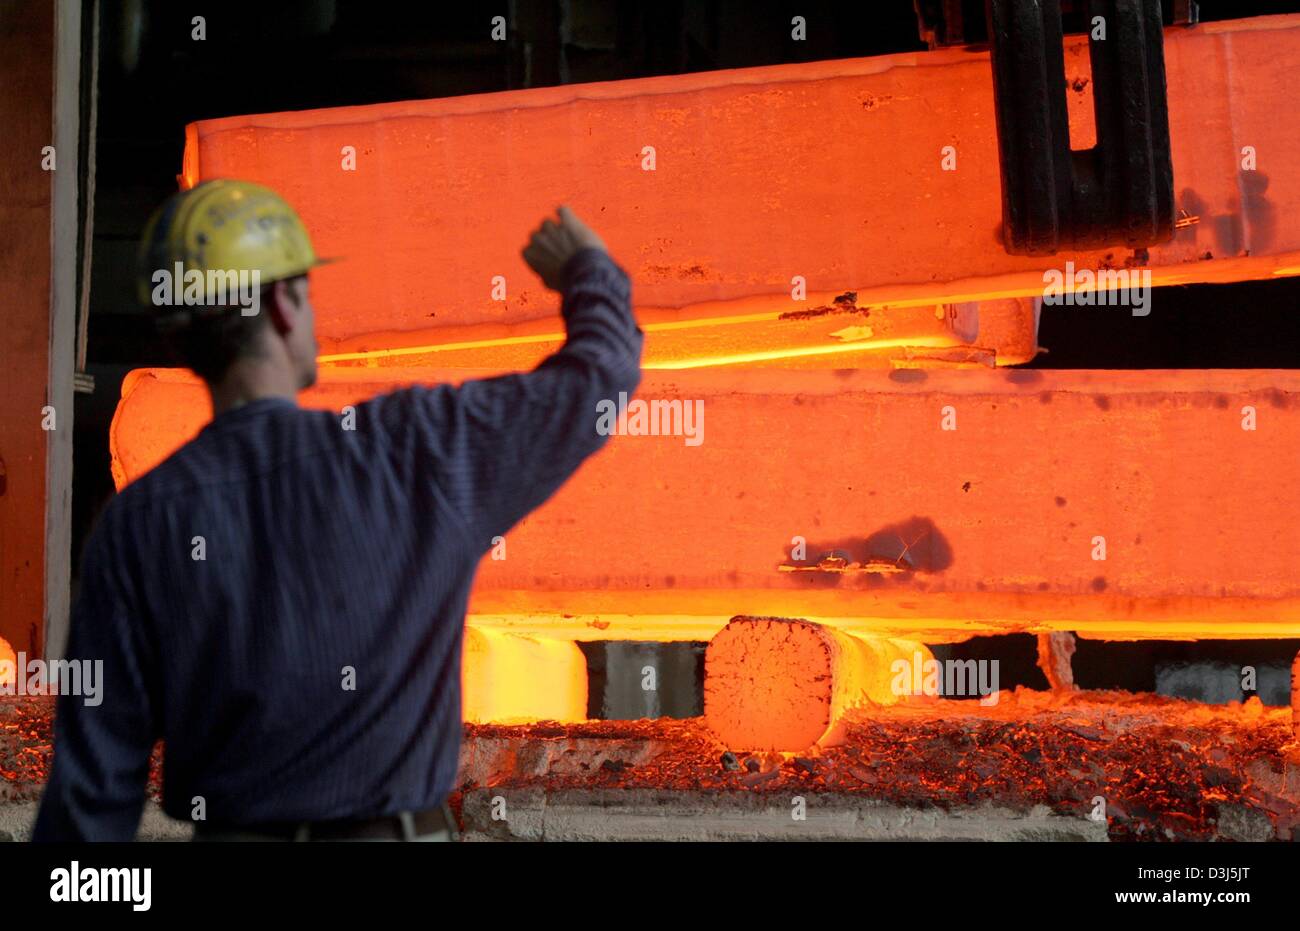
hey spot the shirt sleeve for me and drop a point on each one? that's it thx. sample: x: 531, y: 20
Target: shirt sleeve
x: 502, y: 446
x: 103, y: 738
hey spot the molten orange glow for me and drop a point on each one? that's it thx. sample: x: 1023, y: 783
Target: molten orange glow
x: 511, y: 679
x: 8, y: 665
x: 797, y: 353
x: 546, y: 343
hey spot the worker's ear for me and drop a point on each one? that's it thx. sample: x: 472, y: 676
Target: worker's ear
x: 281, y: 302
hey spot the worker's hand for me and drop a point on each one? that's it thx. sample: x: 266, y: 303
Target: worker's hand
x: 553, y: 244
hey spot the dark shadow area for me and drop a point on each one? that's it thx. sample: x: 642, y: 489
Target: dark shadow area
x: 1174, y: 667
x: 1245, y: 325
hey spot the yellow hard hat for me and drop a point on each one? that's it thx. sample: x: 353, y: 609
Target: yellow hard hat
x: 224, y: 226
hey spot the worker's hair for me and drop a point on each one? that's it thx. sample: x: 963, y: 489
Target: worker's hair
x: 210, y: 341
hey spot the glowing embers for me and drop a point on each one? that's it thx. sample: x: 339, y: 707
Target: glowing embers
x: 782, y: 684
x: 509, y: 679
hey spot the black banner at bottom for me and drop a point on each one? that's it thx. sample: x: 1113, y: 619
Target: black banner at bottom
x: 331, y: 880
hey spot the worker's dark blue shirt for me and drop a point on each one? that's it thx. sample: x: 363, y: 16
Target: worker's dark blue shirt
x: 308, y: 666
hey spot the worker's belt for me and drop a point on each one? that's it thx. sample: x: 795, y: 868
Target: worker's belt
x: 405, y: 825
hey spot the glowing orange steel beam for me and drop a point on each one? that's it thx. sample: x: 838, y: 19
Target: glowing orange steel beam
x: 999, y: 524
x: 829, y: 171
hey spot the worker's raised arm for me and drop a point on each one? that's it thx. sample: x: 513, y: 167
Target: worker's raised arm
x: 501, y: 446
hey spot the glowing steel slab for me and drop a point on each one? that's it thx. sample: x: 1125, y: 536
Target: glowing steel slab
x: 507, y: 679
x: 827, y: 170
x: 930, y: 533
x: 784, y: 684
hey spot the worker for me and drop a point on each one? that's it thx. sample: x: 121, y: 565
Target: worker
x: 282, y: 600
